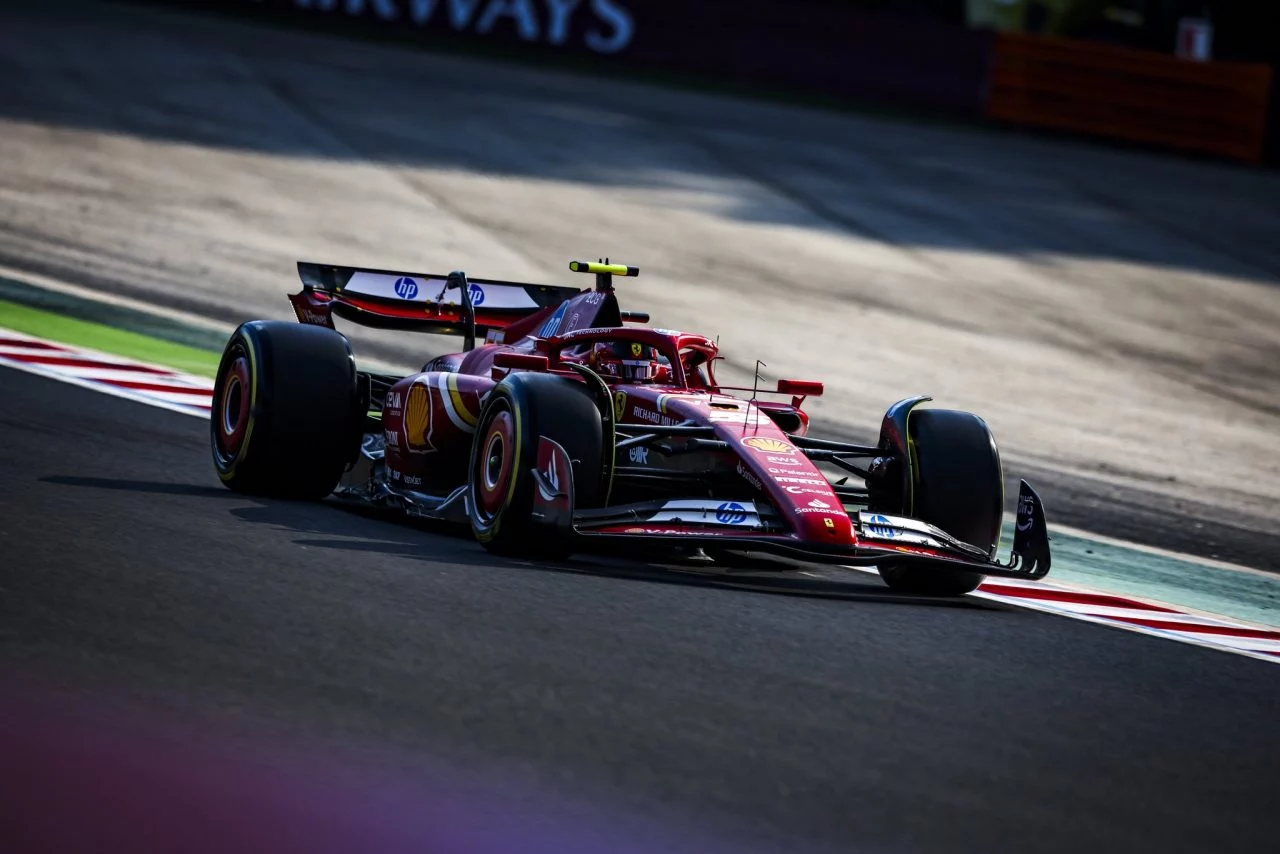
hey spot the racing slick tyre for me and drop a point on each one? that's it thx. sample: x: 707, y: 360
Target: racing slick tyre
x: 518, y: 411
x: 957, y: 485
x: 286, y: 416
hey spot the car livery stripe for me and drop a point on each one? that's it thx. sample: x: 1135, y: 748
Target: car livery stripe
x: 453, y: 405
x: 455, y: 397
x: 151, y: 384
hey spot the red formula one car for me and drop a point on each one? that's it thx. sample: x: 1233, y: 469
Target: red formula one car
x: 568, y: 427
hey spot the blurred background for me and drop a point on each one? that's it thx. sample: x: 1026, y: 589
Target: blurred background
x: 1034, y: 62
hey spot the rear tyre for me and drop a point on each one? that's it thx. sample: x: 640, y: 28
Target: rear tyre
x: 519, y: 410
x: 286, y: 416
x: 958, y: 485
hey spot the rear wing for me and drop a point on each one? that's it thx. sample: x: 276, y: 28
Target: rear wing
x: 418, y: 302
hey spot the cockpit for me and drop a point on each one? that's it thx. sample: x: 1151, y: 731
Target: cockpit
x: 646, y: 357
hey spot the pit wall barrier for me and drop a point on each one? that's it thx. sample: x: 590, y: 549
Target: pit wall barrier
x: 1217, y: 108
x: 834, y: 51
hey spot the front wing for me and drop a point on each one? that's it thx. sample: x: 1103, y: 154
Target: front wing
x: 748, y: 526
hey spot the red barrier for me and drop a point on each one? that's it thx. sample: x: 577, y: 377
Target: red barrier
x: 1210, y: 107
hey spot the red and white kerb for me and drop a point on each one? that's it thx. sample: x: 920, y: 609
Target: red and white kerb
x: 1137, y: 615
x: 150, y: 384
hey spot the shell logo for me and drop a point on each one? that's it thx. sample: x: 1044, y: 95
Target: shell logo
x: 768, y: 445
x: 417, y: 417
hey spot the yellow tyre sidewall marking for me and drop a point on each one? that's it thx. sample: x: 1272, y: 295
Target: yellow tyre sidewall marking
x: 253, y: 408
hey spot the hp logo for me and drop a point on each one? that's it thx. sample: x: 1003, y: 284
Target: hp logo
x: 731, y: 513
x: 881, y: 527
x: 477, y: 295
x: 406, y: 288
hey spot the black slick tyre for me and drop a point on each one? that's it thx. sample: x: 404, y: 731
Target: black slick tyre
x: 957, y: 485
x: 517, y: 412
x: 286, y: 415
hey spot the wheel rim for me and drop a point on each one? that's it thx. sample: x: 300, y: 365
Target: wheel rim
x: 495, y: 465
x: 494, y: 459
x: 233, y: 409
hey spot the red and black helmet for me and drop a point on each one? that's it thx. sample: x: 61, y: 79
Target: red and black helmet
x: 631, y: 361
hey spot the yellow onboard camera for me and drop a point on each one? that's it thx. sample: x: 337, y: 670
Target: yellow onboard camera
x: 604, y: 272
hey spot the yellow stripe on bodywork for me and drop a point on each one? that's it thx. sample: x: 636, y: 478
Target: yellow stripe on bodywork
x: 458, y: 413
x: 455, y: 395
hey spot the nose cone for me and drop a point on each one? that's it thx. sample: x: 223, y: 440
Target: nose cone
x: 798, y: 489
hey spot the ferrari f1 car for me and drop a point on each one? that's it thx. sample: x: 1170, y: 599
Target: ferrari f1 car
x: 568, y: 427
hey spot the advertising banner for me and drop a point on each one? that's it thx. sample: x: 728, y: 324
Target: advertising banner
x: 826, y: 48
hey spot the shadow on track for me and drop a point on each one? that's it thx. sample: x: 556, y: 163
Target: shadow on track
x: 742, y: 574
x: 404, y: 538
x: 151, y: 486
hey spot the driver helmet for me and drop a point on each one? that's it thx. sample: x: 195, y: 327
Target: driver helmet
x: 629, y: 360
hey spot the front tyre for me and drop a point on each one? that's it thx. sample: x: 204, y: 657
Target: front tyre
x: 286, y: 417
x: 957, y: 485
x: 517, y: 412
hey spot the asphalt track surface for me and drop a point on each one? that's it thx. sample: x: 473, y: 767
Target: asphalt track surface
x: 726, y: 720
x: 1111, y: 314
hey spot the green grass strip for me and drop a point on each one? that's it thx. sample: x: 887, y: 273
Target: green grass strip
x: 108, y: 339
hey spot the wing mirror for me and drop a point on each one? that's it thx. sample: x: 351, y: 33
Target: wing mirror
x: 799, y: 390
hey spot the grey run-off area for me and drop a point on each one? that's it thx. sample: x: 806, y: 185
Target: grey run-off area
x: 1114, y: 315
